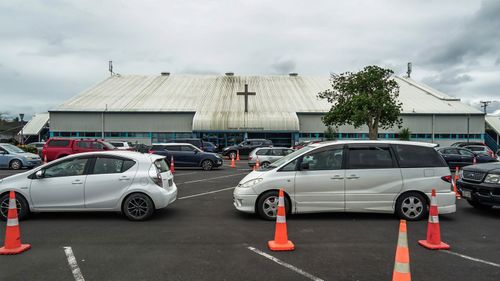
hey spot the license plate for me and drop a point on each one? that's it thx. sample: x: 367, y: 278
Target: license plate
x: 466, y: 194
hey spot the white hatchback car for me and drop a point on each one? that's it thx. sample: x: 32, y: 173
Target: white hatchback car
x: 133, y: 183
x: 351, y: 176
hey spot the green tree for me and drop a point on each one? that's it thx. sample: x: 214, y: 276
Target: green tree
x: 368, y: 97
x: 330, y: 133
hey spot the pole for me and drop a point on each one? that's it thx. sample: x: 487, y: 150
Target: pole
x: 21, y: 117
x: 468, y: 127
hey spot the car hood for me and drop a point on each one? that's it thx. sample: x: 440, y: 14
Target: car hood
x: 485, y: 167
x: 231, y: 147
x: 27, y: 154
x: 14, y: 178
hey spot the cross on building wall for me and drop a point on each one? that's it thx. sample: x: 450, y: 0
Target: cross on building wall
x: 246, y: 93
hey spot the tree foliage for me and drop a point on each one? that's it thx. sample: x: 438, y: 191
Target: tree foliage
x: 368, y: 97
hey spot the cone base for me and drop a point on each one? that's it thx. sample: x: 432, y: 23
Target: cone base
x: 18, y: 250
x: 440, y: 246
x: 288, y: 246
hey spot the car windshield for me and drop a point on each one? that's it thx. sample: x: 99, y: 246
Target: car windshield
x: 287, y: 158
x: 12, y: 148
x: 108, y: 145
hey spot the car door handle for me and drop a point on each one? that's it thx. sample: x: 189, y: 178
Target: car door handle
x: 337, y: 177
x: 353, y: 177
x: 77, y: 182
x: 124, y: 178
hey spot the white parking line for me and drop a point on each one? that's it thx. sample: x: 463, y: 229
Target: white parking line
x: 214, y: 178
x: 282, y: 263
x: 77, y: 274
x: 472, y: 259
x: 205, y: 193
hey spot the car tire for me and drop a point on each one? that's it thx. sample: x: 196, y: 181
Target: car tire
x: 207, y: 165
x: 138, y: 207
x: 478, y: 205
x: 412, y: 206
x: 267, y: 205
x: 232, y: 154
x: 265, y: 164
x: 15, y: 164
x: 23, y: 208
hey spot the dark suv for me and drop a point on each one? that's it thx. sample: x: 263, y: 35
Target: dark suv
x: 245, y: 147
x: 480, y: 185
x: 460, y: 157
x: 186, y: 155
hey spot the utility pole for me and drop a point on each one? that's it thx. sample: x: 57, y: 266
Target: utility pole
x: 21, y: 116
x: 484, y: 105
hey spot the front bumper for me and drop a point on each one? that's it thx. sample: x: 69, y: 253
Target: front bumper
x: 244, y: 199
x: 32, y: 163
x: 218, y: 163
x: 484, y: 193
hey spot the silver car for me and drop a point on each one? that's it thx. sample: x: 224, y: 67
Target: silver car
x: 267, y: 155
x: 351, y: 176
x: 129, y: 182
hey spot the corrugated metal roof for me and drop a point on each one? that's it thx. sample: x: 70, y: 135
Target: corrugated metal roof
x: 493, y: 122
x: 36, y: 124
x: 217, y: 107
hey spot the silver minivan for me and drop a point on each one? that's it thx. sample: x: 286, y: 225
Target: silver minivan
x: 267, y: 155
x: 351, y: 176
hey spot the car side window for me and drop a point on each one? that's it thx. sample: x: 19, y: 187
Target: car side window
x: 3, y: 150
x: 187, y: 148
x: 173, y: 148
x: 465, y: 152
x: 370, y: 157
x: 97, y: 145
x: 277, y: 152
x: 83, y: 144
x: 289, y: 167
x: 73, y: 167
x: 330, y: 159
x: 413, y: 156
x: 287, y: 151
x: 262, y: 152
x: 108, y: 165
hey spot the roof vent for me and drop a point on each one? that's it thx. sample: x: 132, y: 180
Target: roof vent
x: 293, y: 74
x: 165, y: 73
x: 229, y: 73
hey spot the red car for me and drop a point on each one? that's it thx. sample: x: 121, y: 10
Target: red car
x: 56, y: 148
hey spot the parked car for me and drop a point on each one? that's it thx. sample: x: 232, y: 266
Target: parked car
x: 133, y: 183
x: 351, y: 176
x: 199, y: 143
x: 15, y: 158
x: 122, y: 145
x: 498, y: 154
x: 481, y: 149
x: 460, y: 157
x: 56, y: 148
x: 187, y: 155
x: 246, y: 147
x: 267, y: 155
x: 480, y: 185
x: 462, y: 143
x: 210, y: 147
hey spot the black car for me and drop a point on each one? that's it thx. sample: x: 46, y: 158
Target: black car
x: 464, y: 143
x: 186, y: 155
x: 480, y: 185
x: 245, y: 147
x: 460, y: 157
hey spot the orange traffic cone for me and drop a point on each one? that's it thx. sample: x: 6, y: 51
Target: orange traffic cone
x: 172, y: 165
x: 45, y: 159
x: 257, y: 164
x: 433, y: 241
x: 254, y: 167
x: 233, y: 165
x: 281, y: 242
x: 238, y: 155
x: 402, y: 263
x: 474, y: 161
x: 13, y: 233
x: 454, y: 180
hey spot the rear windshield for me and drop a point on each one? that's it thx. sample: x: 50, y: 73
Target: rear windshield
x: 412, y: 156
x: 117, y: 144
x: 59, y: 143
x: 161, y: 165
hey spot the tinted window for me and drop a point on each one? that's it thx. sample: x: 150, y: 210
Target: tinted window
x: 97, y: 145
x: 161, y: 165
x: 117, y: 144
x: 330, y: 159
x: 108, y: 165
x: 465, y: 152
x: 158, y: 147
x: 187, y: 148
x: 277, y: 152
x: 450, y: 151
x: 412, y: 156
x: 262, y: 152
x: 173, y: 148
x: 58, y: 143
x: 475, y: 148
x: 83, y: 144
x: 371, y: 157
x: 74, y: 167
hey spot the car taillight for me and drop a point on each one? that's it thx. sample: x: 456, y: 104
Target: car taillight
x: 152, y: 152
x: 446, y: 178
x: 249, y: 157
x: 158, y: 180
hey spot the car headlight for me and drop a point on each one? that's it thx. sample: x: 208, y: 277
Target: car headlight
x: 250, y: 183
x: 492, y: 178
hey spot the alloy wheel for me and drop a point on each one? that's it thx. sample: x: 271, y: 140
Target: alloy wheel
x: 270, y: 206
x: 412, y: 207
x: 4, y: 207
x: 137, y: 207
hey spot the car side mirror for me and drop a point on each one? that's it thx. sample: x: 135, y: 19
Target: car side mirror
x: 40, y: 174
x: 304, y: 166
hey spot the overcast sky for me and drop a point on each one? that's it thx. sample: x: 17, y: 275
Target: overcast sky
x: 52, y: 50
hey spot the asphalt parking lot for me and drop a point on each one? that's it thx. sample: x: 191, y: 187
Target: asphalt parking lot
x: 202, y: 237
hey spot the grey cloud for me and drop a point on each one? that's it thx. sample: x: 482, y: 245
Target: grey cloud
x: 283, y: 66
x: 448, y: 79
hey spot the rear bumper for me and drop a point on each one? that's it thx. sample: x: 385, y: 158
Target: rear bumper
x: 484, y: 193
x: 166, y: 197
